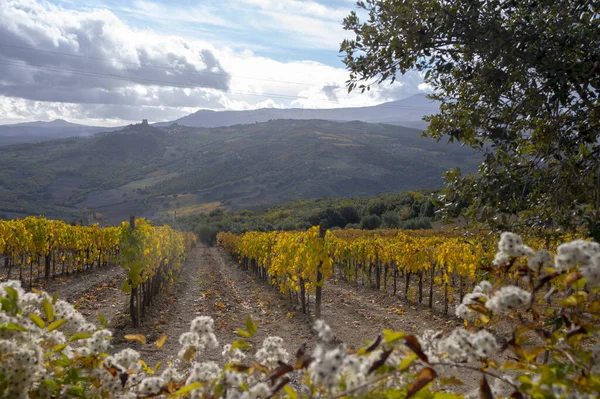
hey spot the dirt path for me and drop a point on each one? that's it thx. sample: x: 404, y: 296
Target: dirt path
x: 73, y: 287
x: 211, y: 284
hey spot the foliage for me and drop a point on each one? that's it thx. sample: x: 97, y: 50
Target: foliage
x: 50, y: 350
x: 417, y: 223
x: 518, y: 80
x: 152, y: 257
x: 40, y: 243
x: 194, y: 170
x: 370, y: 222
x: 300, y: 215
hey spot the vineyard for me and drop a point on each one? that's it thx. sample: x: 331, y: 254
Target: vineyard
x: 413, y: 263
x: 35, y: 247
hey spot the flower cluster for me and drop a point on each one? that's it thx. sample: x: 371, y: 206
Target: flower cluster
x: 508, y: 299
x: 272, y: 352
x: 199, y: 337
x: 479, y: 296
x: 458, y: 346
x: 585, y: 254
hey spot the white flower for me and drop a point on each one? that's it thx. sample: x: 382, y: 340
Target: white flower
x: 539, y: 259
x: 508, y: 298
x: 151, y: 385
x: 202, y: 325
x: 260, y: 390
x: 272, y: 352
x: 323, y: 330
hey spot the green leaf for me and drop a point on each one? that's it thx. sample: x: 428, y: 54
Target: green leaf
x: 49, y: 310
x: 251, y: 326
x: 12, y: 327
x: 51, y: 383
x: 56, y: 324
x: 12, y: 294
x: 102, y: 320
x: 125, y: 287
x: 243, y: 333
x: 78, y: 336
x: 240, y: 344
x: 185, y: 390
x: 54, y: 298
x: 37, y: 320
x: 290, y: 392
x: 392, y: 336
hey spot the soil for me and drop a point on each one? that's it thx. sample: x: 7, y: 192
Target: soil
x: 212, y: 284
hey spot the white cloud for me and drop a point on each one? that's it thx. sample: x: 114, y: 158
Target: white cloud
x: 118, y: 73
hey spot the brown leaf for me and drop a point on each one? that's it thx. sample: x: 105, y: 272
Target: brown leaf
x: 381, y: 361
x: 572, y: 278
x: 413, y: 344
x: 517, y: 395
x: 375, y: 344
x: 577, y: 331
x: 301, y: 351
x: 278, y: 387
x: 240, y: 368
x: 424, y: 377
x: 486, y: 391
x: 283, y: 368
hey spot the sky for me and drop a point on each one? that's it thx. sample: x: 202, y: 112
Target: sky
x: 109, y: 62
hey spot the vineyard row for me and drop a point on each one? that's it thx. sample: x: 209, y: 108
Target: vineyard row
x: 298, y: 263
x: 152, y: 256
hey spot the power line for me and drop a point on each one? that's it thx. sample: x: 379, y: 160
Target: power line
x: 174, y: 84
x: 164, y: 67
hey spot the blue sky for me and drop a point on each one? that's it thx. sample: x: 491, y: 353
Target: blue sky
x: 109, y: 62
x: 278, y: 29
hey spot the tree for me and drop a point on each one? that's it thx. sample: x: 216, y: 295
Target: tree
x: 370, y: 222
x: 391, y: 220
x: 517, y: 80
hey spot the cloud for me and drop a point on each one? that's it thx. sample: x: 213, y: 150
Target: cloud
x: 94, y: 66
x: 52, y: 54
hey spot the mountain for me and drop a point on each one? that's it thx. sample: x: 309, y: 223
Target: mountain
x: 406, y: 112
x: 39, y: 131
x: 149, y: 171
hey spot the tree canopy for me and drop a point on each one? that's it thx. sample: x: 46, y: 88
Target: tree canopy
x: 518, y: 79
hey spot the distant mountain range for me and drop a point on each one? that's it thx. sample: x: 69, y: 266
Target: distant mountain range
x: 407, y: 112
x: 30, y: 132
x: 152, y: 171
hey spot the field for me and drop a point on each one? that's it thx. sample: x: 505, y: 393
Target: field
x: 149, y: 284
x: 212, y: 284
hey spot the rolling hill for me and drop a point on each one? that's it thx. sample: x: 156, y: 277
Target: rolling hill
x: 40, y: 131
x: 407, y: 112
x: 149, y: 171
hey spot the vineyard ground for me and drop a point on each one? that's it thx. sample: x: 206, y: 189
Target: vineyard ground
x: 212, y: 284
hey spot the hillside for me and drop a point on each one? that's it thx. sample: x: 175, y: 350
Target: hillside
x: 148, y: 171
x: 41, y: 131
x: 406, y: 112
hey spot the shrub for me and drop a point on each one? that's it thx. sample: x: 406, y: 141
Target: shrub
x: 370, y: 222
x: 390, y: 220
x: 417, y: 223
x: 207, y: 233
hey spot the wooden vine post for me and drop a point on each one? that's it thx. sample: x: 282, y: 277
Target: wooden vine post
x: 319, y: 293
x: 133, y: 309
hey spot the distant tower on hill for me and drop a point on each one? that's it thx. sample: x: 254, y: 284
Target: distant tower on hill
x: 145, y: 122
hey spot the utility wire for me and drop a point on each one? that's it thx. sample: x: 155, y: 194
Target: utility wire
x: 174, y: 84
x: 164, y: 67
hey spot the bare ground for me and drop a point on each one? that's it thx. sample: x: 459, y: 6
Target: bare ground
x: 211, y: 284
